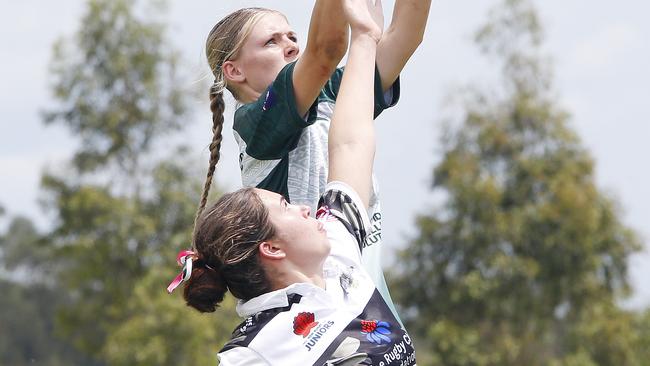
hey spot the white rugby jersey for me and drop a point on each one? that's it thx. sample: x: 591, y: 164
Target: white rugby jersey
x: 348, y: 323
x: 286, y: 153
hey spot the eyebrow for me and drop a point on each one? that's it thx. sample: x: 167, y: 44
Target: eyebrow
x: 289, y: 33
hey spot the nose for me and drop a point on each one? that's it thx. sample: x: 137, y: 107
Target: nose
x: 291, y: 50
x: 305, y: 210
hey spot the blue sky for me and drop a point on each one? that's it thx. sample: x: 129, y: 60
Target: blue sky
x: 600, y: 54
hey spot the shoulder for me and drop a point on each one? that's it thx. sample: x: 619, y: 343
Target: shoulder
x: 341, y: 202
x: 271, y: 126
x: 274, y: 99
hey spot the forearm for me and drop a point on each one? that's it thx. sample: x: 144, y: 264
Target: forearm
x: 326, y: 45
x: 328, y: 32
x: 401, y: 39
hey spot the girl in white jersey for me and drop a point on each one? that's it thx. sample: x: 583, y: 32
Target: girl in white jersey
x: 304, y: 293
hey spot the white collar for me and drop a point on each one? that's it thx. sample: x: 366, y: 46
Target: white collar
x: 276, y: 299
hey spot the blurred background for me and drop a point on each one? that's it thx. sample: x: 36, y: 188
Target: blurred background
x: 515, y: 199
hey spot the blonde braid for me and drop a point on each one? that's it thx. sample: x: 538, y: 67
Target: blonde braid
x: 217, y: 106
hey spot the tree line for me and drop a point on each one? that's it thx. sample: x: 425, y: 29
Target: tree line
x: 524, y: 263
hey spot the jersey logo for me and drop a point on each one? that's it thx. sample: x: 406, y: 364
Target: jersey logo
x: 324, y: 213
x: 303, y: 323
x: 376, y: 332
x: 270, y: 100
x: 375, y: 231
x: 247, y: 324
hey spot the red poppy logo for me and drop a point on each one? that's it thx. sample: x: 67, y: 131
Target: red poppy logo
x: 377, y: 332
x: 368, y: 326
x: 322, y: 211
x: 303, y: 323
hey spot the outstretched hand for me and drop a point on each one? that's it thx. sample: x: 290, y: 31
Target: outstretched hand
x: 365, y: 17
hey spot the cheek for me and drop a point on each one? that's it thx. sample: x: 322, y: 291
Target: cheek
x: 272, y: 60
x: 263, y: 70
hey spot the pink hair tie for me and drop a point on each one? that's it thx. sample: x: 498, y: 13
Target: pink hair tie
x: 184, y: 259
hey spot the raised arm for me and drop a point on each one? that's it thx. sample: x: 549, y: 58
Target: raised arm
x: 352, y: 134
x: 401, y: 39
x: 326, y: 45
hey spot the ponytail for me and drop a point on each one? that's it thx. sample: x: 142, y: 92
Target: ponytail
x: 205, y: 288
x: 217, y: 106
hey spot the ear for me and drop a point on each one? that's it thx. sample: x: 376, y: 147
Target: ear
x: 232, y: 72
x: 270, y: 250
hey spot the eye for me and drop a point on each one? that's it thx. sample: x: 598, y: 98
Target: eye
x: 270, y: 41
x: 293, y: 38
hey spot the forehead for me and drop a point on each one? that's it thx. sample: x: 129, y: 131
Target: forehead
x: 270, y: 199
x: 271, y: 23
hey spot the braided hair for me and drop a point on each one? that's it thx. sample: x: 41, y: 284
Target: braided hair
x: 224, y: 43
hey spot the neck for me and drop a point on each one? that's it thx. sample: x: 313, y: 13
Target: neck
x: 246, y: 94
x: 282, y: 278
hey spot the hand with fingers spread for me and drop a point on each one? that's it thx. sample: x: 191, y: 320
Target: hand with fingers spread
x: 365, y: 17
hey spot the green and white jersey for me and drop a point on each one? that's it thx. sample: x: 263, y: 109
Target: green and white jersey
x: 285, y: 152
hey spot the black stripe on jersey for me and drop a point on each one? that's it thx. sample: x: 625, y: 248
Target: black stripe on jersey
x: 343, y: 208
x: 245, y: 332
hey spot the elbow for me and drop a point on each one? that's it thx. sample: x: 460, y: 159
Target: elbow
x: 335, y: 51
x: 418, y: 38
x: 406, y: 42
x: 417, y: 41
x: 333, y: 48
x: 324, y: 59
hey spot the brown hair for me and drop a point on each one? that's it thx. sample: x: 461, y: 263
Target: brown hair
x: 224, y: 43
x: 226, y: 239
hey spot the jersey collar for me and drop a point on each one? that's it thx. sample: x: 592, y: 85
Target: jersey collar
x: 279, y: 298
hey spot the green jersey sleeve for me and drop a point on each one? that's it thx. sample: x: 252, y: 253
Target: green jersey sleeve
x: 383, y: 100
x: 271, y: 125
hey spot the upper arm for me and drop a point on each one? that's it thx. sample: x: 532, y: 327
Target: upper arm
x: 392, y: 56
x: 309, y: 76
x: 402, y: 38
x: 342, y: 202
x: 351, y: 141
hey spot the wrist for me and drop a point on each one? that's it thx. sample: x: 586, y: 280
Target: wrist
x: 364, y: 37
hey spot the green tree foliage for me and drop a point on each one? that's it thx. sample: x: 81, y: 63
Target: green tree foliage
x: 166, y: 331
x: 124, y: 205
x: 27, y: 323
x: 28, y: 303
x: 20, y: 245
x: 524, y: 262
x: 117, y: 256
x: 117, y: 85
